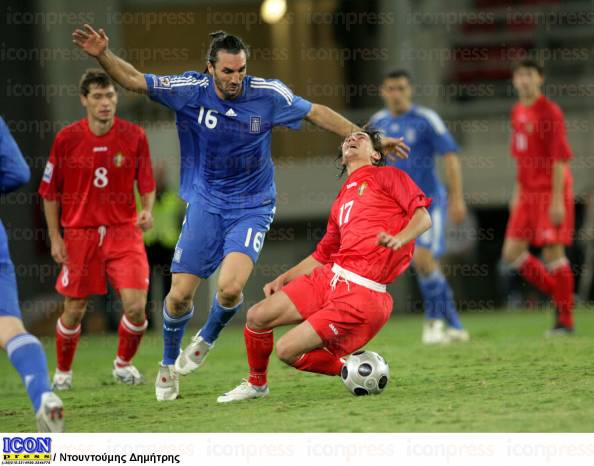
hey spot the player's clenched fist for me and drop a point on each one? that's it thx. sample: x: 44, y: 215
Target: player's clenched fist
x: 59, y: 250
x: 384, y: 239
x: 395, y: 147
x: 92, y: 42
x: 274, y: 286
x: 145, y: 220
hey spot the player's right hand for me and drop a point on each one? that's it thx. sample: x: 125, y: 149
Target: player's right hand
x: 59, y: 250
x: 92, y: 42
x: 274, y: 286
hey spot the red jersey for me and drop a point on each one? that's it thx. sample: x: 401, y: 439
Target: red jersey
x: 538, y: 139
x: 371, y: 200
x: 93, y: 176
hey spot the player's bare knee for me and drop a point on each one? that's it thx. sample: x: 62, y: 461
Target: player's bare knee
x: 424, y: 264
x: 509, y: 256
x: 178, y: 302
x: 284, y: 351
x: 256, y: 317
x: 135, y: 311
x: 74, y: 311
x: 229, y: 294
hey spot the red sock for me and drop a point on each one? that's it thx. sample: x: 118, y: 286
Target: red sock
x: 320, y: 361
x: 534, y: 271
x: 130, y: 336
x: 258, y: 345
x: 66, y: 341
x: 563, y: 293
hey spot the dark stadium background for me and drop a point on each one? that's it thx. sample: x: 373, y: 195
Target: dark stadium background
x: 333, y: 52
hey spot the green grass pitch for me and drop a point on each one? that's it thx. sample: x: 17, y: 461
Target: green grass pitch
x: 508, y: 378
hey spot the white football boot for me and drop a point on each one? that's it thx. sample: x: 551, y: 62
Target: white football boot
x: 50, y: 415
x: 167, y: 383
x: 128, y: 375
x: 244, y: 391
x: 456, y: 335
x: 433, y: 332
x: 193, y: 356
x: 62, y: 380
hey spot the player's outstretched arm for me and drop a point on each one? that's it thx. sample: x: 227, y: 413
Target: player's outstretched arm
x: 302, y: 268
x: 95, y: 44
x: 328, y: 119
x: 419, y: 224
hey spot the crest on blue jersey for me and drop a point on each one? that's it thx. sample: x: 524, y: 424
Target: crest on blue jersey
x: 410, y: 136
x: 255, y: 124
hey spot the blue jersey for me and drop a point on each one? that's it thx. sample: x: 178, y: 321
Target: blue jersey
x: 427, y: 136
x: 225, y: 144
x: 14, y: 172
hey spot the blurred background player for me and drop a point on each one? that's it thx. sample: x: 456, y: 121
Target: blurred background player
x: 24, y: 350
x: 88, y: 189
x: 424, y: 131
x: 224, y: 119
x: 542, y: 209
x: 337, y: 295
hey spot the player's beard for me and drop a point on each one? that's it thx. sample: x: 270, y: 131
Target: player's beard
x: 228, y: 95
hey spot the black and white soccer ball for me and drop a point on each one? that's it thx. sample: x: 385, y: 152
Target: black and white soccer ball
x: 365, y: 373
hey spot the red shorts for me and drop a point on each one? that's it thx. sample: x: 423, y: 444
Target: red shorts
x: 345, y: 318
x: 118, y: 254
x: 530, y: 221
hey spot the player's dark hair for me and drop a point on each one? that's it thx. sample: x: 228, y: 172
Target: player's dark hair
x: 528, y: 63
x: 94, y: 76
x: 220, y: 40
x: 376, y: 142
x: 397, y: 74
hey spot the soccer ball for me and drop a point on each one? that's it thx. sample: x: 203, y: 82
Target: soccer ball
x: 365, y: 373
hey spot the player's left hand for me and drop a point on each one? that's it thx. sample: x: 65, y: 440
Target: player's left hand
x: 457, y: 211
x: 557, y: 212
x: 145, y: 220
x: 395, y: 148
x: 389, y: 241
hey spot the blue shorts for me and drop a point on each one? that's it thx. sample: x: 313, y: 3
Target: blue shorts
x: 207, y: 237
x: 434, y: 239
x: 9, y: 299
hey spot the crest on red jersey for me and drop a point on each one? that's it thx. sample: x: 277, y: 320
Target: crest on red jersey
x: 362, y: 188
x: 118, y: 159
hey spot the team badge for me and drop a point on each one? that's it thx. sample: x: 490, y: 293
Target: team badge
x: 164, y: 81
x: 410, y: 136
x: 255, y: 124
x: 529, y: 128
x: 362, y: 188
x: 118, y: 159
x: 48, y: 172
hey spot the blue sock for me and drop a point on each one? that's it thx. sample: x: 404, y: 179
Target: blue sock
x: 430, y: 287
x: 28, y: 358
x: 218, y: 317
x: 439, y: 299
x: 173, y: 332
x: 450, y: 313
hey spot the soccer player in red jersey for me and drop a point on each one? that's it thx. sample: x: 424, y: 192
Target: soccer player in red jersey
x: 337, y: 295
x: 88, y: 189
x: 542, y: 209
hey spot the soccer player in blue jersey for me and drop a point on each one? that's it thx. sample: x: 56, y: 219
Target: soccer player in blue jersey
x: 24, y: 350
x: 426, y: 134
x: 224, y: 119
